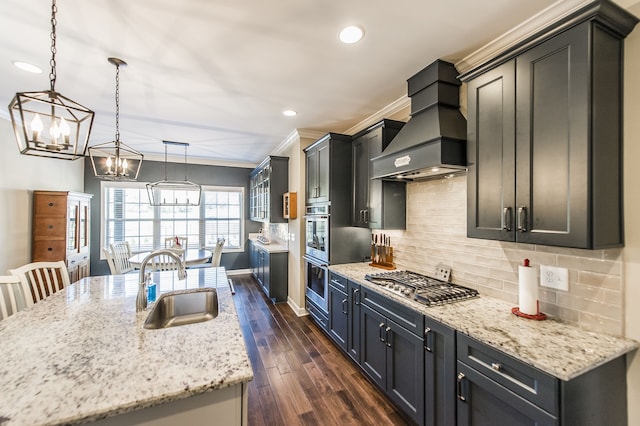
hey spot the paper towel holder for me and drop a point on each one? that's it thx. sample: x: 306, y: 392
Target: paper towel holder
x: 538, y: 317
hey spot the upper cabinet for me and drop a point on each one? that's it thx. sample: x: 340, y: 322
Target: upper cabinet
x: 376, y: 204
x: 545, y: 137
x: 268, y: 183
x: 328, y: 162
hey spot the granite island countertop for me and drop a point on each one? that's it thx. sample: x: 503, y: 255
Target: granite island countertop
x: 555, y: 347
x: 82, y: 354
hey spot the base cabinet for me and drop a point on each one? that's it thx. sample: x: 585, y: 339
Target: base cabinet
x: 439, y: 374
x: 271, y: 270
x: 495, y: 388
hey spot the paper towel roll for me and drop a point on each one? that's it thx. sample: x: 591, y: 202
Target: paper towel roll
x: 527, y: 290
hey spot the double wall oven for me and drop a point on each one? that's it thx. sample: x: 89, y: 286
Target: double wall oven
x: 317, y: 227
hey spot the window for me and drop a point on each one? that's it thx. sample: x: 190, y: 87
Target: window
x: 127, y: 216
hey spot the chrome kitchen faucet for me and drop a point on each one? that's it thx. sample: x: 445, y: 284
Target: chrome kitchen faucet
x: 141, y: 299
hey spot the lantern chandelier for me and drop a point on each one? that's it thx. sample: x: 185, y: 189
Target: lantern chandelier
x: 174, y: 193
x: 115, y: 160
x: 47, y: 124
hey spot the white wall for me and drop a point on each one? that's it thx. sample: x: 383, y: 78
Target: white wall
x: 19, y: 176
x: 631, y: 253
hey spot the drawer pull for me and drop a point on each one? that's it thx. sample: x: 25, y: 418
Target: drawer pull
x: 49, y: 248
x: 496, y: 366
x: 50, y: 204
x: 459, y: 380
x: 50, y: 226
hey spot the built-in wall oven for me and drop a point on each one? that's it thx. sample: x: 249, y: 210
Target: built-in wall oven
x: 317, y: 281
x: 317, y: 219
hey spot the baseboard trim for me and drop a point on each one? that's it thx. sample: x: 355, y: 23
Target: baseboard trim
x: 301, y: 312
x: 238, y: 271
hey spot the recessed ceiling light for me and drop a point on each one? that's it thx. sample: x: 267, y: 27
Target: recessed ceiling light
x: 25, y: 66
x: 351, y: 34
x: 289, y: 113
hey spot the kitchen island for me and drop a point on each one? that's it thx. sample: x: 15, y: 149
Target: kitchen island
x: 83, y: 355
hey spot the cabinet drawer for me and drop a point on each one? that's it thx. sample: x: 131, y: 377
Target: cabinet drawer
x: 50, y: 205
x: 318, y: 316
x: 50, y: 227
x: 520, y: 378
x: 338, y: 281
x: 49, y: 251
x: 400, y: 314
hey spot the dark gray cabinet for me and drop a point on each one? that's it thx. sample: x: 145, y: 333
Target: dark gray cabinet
x: 268, y: 182
x: 392, y: 351
x: 344, y: 314
x: 439, y: 374
x: 545, y: 138
x: 495, y: 388
x: 328, y: 162
x: 271, y: 271
x: 376, y: 204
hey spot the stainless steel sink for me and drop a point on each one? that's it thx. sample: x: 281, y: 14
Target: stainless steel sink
x: 183, y: 307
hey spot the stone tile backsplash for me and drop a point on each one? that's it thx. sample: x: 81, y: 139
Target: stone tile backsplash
x: 436, y: 233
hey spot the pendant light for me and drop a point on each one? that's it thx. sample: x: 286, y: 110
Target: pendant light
x: 47, y: 124
x: 115, y: 160
x: 174, y: 193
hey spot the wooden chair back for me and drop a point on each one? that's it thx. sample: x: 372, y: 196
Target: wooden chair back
x: 217, y: 252
x: 12, y: 296
x: 170, y: 241
x: 120, y: 254
x: 162, y: 262
x: 42, y: 279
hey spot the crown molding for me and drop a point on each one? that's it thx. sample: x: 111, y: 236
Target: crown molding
x: 519, y: 34
x: 393, y: 108
x: 295, y: 136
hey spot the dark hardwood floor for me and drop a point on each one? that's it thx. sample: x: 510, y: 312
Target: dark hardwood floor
x: 300, y: 376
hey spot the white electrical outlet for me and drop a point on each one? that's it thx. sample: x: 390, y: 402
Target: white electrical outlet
x: 554, y: 277
x: 292, y: 237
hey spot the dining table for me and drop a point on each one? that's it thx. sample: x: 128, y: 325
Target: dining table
x: 191, y: 257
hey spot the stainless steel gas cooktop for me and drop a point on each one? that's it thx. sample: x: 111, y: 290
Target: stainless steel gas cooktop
x: 423, y: 289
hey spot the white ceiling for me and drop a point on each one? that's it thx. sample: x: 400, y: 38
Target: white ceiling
x: 218, y: 73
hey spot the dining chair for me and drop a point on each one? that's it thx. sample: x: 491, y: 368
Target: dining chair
x: 162, y: 262
x: 217, y: 252
x: 42, y: 279
x: 170, y: 241
x: 120, y: 254
x: 12, y: 296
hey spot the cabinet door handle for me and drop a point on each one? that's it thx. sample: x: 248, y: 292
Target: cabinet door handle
x: 460, y: 378
x: 496, y: 366
x: 522, y: 219
x: 427, y: 339
x: 356, y: 296
x: 507, y: 217
x: 386, y: 336
x: 380, y: 330
x: 344, y: 306
x: 366, y: 216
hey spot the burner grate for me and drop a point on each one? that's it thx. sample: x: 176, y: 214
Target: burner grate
x: 426, y: 290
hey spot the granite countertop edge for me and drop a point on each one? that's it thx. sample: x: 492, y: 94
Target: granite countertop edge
x: 553, y: 346
x: 274, y: 247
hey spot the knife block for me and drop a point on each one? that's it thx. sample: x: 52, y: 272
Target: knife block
x: 382, y: 257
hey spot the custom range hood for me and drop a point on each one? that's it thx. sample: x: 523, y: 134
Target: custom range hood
x: 433, y: 142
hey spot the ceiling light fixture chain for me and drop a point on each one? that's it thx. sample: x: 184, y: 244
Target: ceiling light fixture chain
x: 117, y: 102
x: 52, y: 74
x: 115, y: 160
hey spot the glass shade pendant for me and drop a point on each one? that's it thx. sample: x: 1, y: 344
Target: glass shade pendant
x: 174, y: 193
x: 48, y: 124
x: 115, y: 160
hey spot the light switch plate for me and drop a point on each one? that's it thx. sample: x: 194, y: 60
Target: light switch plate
x: 554, y: 277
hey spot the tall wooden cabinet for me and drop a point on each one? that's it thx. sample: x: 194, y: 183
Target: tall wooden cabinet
x: 61, y: 230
